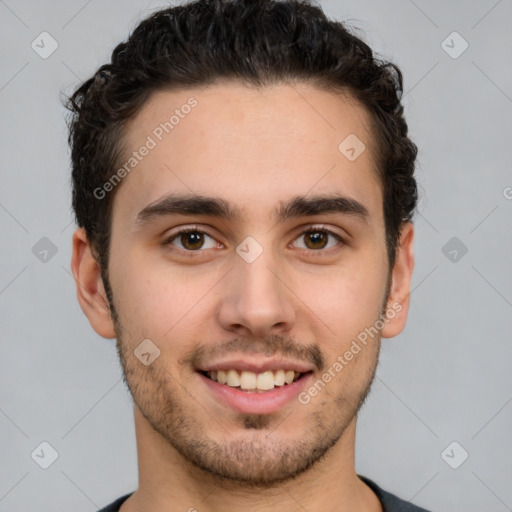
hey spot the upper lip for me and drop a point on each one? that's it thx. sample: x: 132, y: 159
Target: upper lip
x: 256, y: 366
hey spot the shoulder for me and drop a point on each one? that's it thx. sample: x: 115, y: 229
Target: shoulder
x: 116, y: 505
x: 390, y: 502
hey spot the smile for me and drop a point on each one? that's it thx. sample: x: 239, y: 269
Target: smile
x: 249, y: 392
x: 251, y: 381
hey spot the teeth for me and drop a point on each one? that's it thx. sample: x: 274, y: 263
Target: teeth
x: 265, y: 380
x: 233, y: 379
x: 221, y: 376
x: 251, y: 381
x: 248, y: 380
x: 279, y: 379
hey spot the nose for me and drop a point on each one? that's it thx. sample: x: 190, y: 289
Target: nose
x: 256, y: 300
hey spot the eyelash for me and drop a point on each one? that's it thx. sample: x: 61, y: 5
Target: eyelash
x: 313, y: 229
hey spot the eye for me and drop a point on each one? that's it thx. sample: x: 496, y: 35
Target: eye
x: 317, y: 239
x: 192, y: 240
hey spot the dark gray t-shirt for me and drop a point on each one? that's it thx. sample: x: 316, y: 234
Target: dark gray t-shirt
x: 390, y: 502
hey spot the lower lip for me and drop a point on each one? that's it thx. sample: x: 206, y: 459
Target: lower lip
x: 246, y: 402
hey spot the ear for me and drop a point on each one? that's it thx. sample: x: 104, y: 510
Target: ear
x: 398, y: 301
x: 89, y: 286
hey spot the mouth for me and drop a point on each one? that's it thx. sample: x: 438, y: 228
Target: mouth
x: 247, y: 392
x: 252, y: 382
x: 254, y: 385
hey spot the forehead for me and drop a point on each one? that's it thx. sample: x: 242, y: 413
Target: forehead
x: 252, y: 147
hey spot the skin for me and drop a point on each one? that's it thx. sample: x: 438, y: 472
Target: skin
x: 254, y: 149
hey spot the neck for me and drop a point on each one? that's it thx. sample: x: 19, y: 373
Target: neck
x: 168, y: 482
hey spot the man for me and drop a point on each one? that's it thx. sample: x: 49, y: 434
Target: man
x: 243, y: 186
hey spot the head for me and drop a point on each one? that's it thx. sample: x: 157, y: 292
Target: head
x: 243, y: 109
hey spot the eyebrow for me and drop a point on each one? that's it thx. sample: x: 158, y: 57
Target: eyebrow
x: 299, y: 206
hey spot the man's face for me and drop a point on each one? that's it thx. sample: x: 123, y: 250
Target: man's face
x: 292, y: 295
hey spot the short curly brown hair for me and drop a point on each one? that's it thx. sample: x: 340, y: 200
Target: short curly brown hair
x: 258, y: 43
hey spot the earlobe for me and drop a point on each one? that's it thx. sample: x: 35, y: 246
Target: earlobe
x: 89, y: 286
x: 398, y: 301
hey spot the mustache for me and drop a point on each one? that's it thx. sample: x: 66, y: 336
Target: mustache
x: 269, y: 346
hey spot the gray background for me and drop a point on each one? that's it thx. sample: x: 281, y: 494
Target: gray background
x: 445, y: 378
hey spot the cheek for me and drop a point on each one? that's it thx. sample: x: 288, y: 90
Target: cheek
x: 156, y: 303
x: 151, y: 307
x: 348, y: 301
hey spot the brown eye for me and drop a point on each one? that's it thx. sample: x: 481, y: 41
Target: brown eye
x: 192, y: 240
x: 318, y: 239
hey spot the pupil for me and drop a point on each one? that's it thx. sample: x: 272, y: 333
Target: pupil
x: 192, y: 240
x: 318, y: 239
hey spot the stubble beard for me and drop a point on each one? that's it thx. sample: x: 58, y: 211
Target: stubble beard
x: 256, y: 455
x: 255, y: 461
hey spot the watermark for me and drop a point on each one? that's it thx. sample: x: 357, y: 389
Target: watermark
x: 44, y: 250
x: 351, y: 147
x: 343, y: 360
x: 44, y: 455
x: 454, y: 249
x: 151, y: 142
x: 507, y: 193
x: 146, y: 352
x: 454, y: 45
x: 44, y: 45
x: 249, y: 249
x: 454, y: 455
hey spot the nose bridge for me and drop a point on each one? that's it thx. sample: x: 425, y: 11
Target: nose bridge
x: 256, y: 298
x: 257, y: 279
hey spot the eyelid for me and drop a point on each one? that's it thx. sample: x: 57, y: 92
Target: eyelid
x: 319, y: 227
